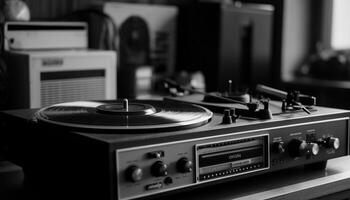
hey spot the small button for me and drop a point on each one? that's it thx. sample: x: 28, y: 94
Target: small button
x: 154, y: 186
x: 155, y: 154
x: 168, y: 180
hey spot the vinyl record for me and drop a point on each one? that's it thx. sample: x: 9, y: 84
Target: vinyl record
x: 136, y: 115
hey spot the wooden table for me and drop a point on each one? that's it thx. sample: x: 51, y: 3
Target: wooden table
x: 298, y: 183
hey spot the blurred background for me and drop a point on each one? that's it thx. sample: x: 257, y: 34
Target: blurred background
x: 299, y: 44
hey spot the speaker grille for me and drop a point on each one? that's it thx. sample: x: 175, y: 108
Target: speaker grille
x: 74, y: 89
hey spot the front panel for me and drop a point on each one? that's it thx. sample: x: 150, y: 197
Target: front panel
x: 147, y: 170
x: 226, y: 158
x: 71, y: 76
x: 34, y: 35
x: 65, y: 86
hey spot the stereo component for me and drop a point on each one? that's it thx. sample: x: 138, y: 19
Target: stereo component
x: 142, y: 149
x: 26, y: 36
x: 152, y: 169
x: 42, y: 78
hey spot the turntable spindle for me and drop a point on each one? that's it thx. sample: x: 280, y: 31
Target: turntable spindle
x: 126, y: 104
x: 229, y: 86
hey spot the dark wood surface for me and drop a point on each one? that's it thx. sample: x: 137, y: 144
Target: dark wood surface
x: 298, y: 183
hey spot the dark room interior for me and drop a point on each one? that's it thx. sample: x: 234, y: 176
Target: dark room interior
x: 174, y: 99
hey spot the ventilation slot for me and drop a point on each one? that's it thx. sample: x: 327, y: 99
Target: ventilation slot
x: 75, y: 89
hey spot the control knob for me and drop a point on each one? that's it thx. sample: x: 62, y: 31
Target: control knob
x: 159, y: 168
x: 297, y: 148
x: 184, y: 165
x: 312, y: 149
x: 278, y: 147
x: 134, y: 173
x: 332, y: 142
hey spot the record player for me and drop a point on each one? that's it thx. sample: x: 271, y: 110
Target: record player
x: 130, y: 149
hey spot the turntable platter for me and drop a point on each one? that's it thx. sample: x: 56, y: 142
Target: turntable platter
x: 137, y: 115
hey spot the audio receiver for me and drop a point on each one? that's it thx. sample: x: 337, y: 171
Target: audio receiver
x: 130, y: 149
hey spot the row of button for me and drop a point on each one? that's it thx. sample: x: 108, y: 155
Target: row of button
x: 278, y: 161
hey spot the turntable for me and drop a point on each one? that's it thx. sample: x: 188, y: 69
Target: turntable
x: 136, y: 116
x: 129, y: 149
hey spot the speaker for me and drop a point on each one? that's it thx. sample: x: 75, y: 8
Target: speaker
x: 42, y: 78
x: 134, y: 53
x: 227, y: 41
x: 147, y: 43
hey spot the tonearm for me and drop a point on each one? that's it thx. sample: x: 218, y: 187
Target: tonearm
x: 253, y: 110
x: 290, y: 100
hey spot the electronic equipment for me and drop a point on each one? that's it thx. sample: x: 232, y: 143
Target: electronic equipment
x: 149, y: 33
x: 42, y: 78
x: 31, y: 35
x: 235, y: 41
x: 129, y: 149
x: 49, y: 63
